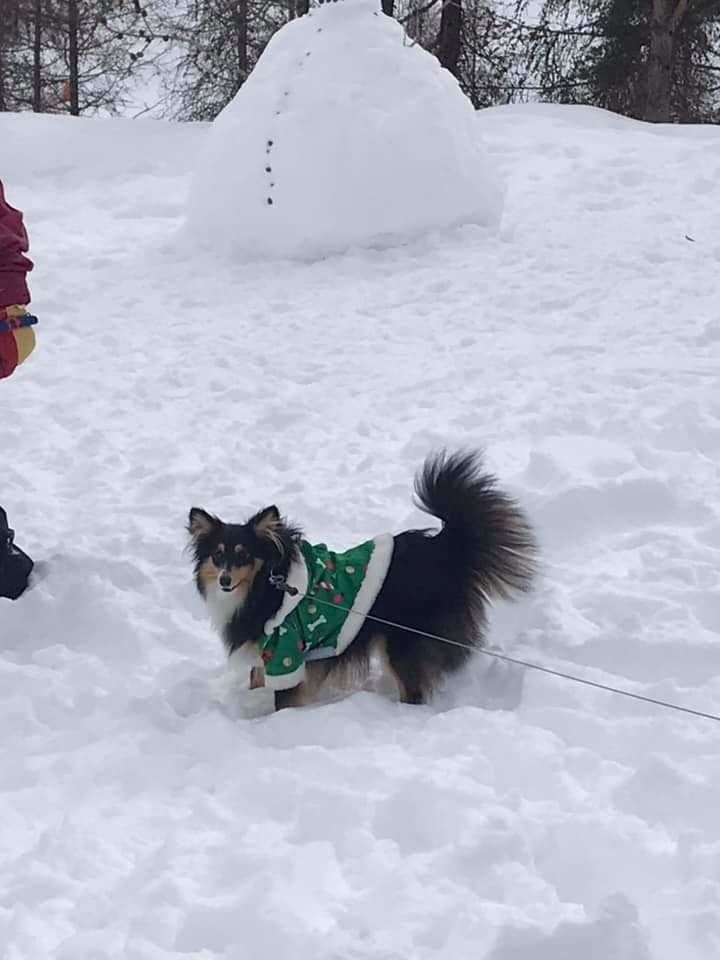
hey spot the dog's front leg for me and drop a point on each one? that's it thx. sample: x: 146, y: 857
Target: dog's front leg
x: 294, y: 697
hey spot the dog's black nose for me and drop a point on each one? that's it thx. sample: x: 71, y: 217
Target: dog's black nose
x: 225, y: 581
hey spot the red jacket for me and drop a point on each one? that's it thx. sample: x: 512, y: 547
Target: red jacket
x: 15, y: 345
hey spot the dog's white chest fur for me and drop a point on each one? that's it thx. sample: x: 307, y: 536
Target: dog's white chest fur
x: 222, y: 606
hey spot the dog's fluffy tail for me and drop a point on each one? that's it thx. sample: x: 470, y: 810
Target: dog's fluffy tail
x: 486, y: 530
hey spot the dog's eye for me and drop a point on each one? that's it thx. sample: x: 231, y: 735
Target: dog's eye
x: 218, y: 558
x: 241, y: 555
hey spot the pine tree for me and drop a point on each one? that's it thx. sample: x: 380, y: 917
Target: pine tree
x: 72, y: 55
x: 220, y: 43
x: 492, y: 67
x: 649, y: 59
x: 104, y: 44
x: 14, y: 55
x: 479, y: 41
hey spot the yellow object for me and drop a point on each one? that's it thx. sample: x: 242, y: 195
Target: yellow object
x: 25, y: 342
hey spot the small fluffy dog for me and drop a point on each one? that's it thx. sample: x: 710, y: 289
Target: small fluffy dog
x: 307, y: 612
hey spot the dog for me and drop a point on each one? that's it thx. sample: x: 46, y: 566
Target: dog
x: 308, y: 613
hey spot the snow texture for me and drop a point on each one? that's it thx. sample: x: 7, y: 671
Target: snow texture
x: 149, y: 807
x: 344, y: 135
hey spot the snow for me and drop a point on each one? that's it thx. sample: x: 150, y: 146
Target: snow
x: 345, y: 134
x: 149, y: 807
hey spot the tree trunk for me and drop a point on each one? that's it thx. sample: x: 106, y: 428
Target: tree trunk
x: 241, y: 40
x: 37, y: 57
x: 450, y: 35
x: 73, y: 58
x: 666, y: 17
x: 4, y: 35
x: 3, y: 105
x: 388, y: 7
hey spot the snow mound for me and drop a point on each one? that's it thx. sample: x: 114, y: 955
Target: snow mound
x: 344, y: 135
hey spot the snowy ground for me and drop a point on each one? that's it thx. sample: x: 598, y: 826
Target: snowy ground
x: 148, y: 810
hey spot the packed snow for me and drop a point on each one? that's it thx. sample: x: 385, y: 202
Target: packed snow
x: 345, y: 134
x: 152, y: 808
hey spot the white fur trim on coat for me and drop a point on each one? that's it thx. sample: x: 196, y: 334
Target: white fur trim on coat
x: 367, y: 594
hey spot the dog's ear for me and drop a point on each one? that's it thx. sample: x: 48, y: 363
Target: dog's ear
x: 267, y: 523
x: 201, y: 524
x: 269, y: 526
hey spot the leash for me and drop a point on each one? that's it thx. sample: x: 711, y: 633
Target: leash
x: 279, y: 582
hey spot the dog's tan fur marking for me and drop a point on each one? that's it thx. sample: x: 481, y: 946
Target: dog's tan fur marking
x: 240, y: 576
x: 244, y: 575
x: 208, y: 573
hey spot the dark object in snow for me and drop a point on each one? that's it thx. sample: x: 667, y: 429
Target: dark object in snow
x: 15, y: 564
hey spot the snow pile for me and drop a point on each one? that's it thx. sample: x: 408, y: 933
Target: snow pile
x: 152, y: 810
x: 345, y: 134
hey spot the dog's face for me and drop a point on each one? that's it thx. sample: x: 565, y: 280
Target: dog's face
x: 228, y: 556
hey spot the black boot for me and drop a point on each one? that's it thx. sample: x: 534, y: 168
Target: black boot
x: 15, y: 566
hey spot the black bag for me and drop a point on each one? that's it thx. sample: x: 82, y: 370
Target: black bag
x: 15, y: 565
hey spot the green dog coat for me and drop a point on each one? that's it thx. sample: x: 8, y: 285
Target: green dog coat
x: 335, y: 593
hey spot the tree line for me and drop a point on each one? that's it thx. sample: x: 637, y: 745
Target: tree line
x: 656, y: 60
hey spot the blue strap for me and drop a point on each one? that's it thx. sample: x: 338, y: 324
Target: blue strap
x: 17, y: 323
